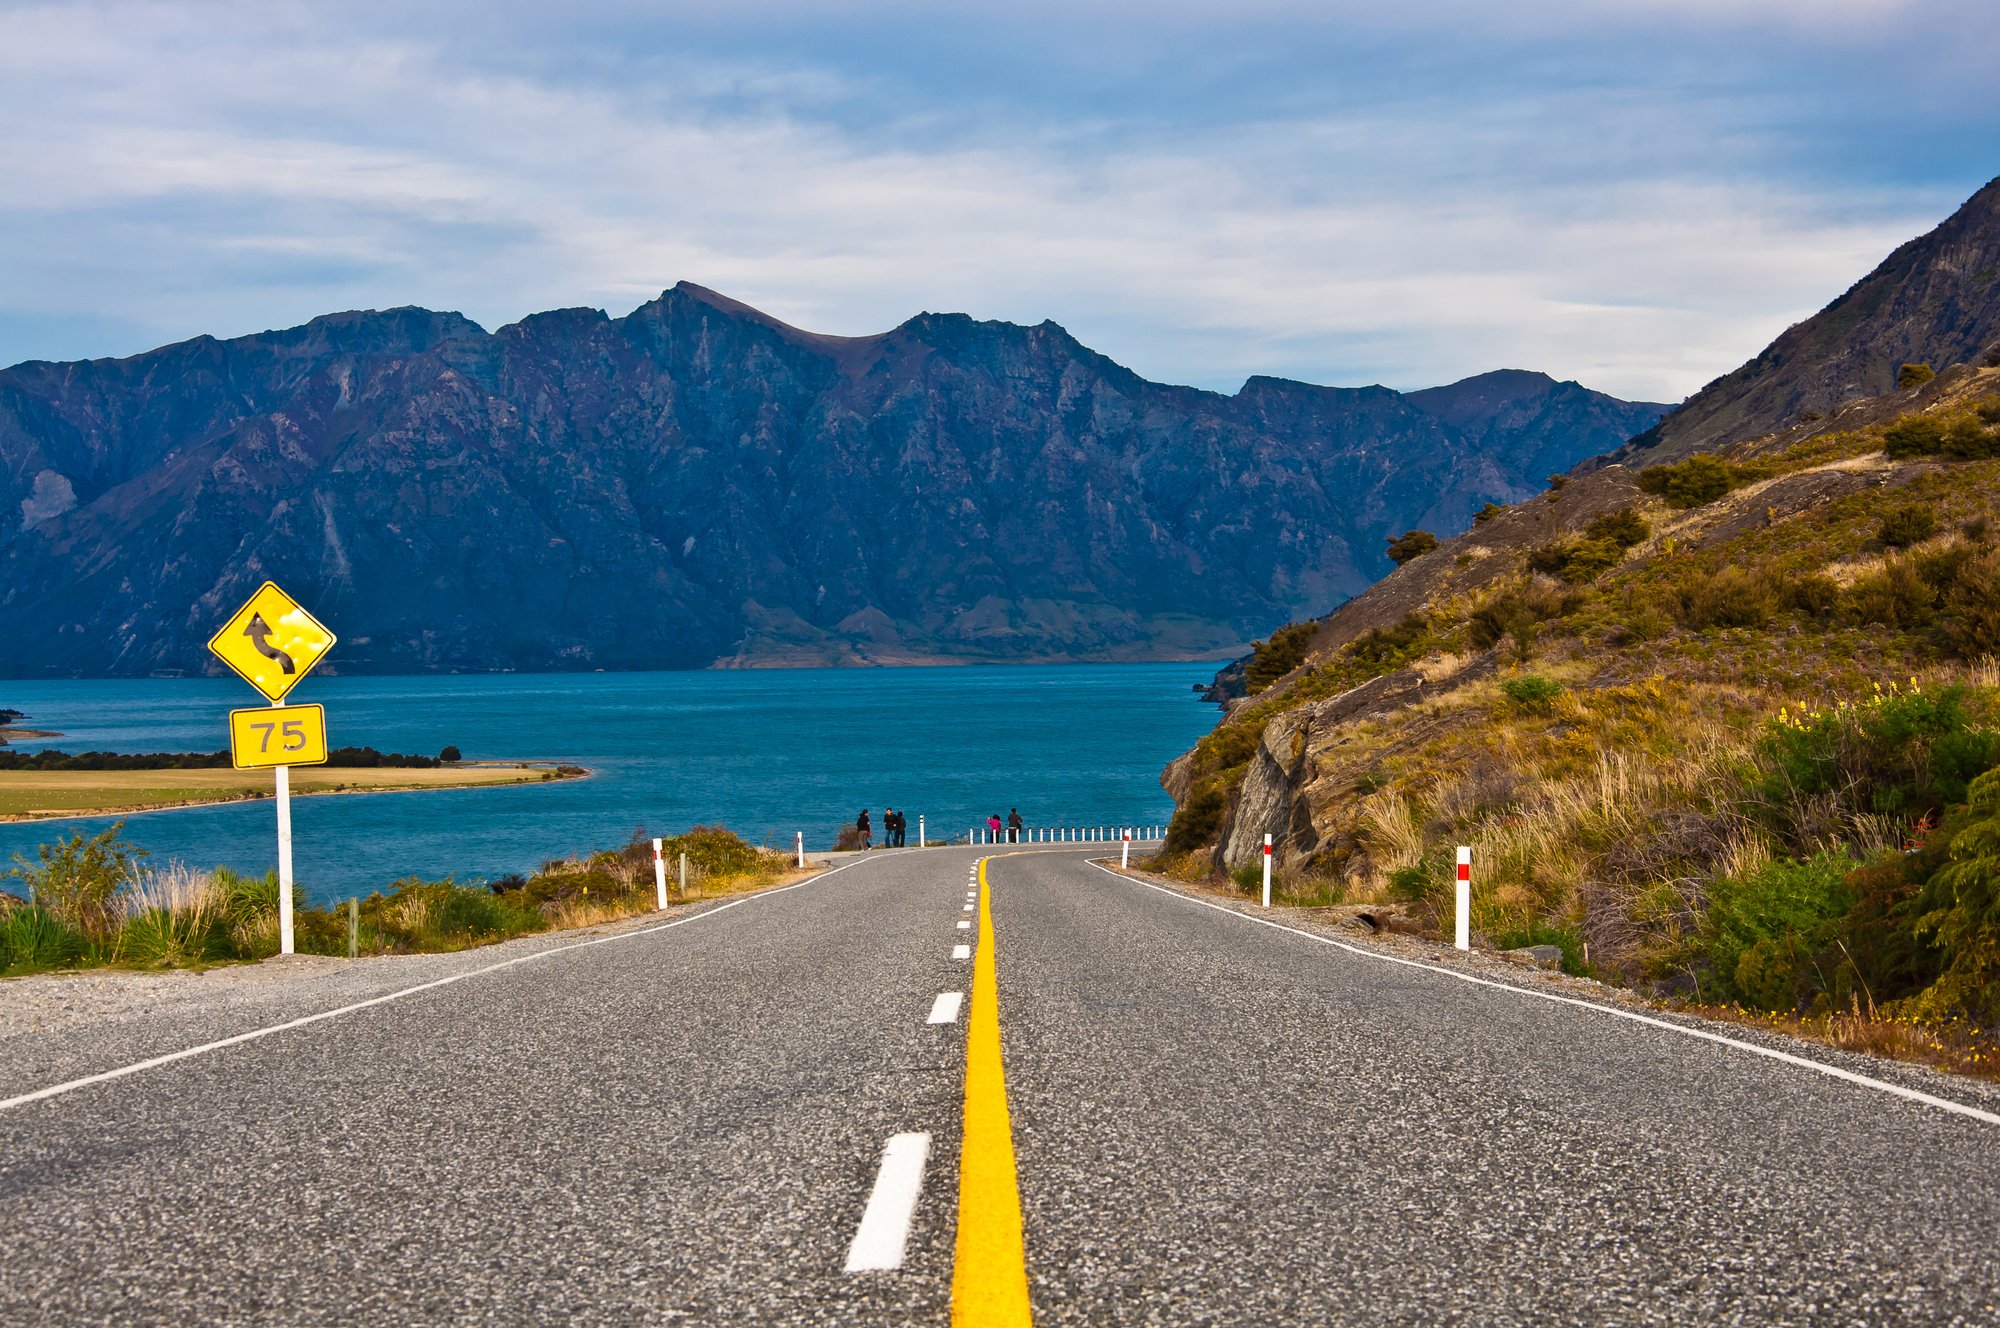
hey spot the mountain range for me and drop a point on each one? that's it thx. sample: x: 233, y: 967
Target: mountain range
x: 699, y: 484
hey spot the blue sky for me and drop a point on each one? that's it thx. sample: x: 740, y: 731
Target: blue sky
x: 1638, y: 194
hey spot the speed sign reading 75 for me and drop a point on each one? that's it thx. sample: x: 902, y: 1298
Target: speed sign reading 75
x: 277, y: 735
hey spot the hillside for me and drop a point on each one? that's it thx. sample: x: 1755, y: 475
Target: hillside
x: 1719, y: 728
x: 698, y: 483
x: 1935, y: 301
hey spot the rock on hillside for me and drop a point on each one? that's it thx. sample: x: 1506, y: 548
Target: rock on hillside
x: 698, y: 483
x: 1935, y: 300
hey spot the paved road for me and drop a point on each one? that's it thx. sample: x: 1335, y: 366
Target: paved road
x: 1206, y: 1120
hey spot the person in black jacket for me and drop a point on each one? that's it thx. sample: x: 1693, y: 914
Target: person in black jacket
x: 1014, y: 825
x: 862, y: 828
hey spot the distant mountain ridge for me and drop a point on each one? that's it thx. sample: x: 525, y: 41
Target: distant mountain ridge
x: 1935, y: 301
x: 698, y: 483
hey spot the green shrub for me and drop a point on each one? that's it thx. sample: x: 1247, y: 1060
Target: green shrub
x: 1905, y: 752
x: 1517, y: 611
x: 1897, y: 596
x: 1913, y: 436
x: 1411, y: 544
x: 77, y: 878
x: 1732, y: 597
x: 1411, y: 885
x: 1487, y: 513
x: 1228, y: 746
x: 1532, y: 693
x: 1250, y: 876
x: 1274, y: 658
x: 1914, y: 375
x: 1388, y: 648
x: 1587, y: 559
x: 1969, y: 622
x: 1578, y: 560
x: 1911, y: 523
x: 1769, y: 933
x: 1815, y: 594
x: 1702, y: 478
x: 1961, y: 914
x: 1623, y: 528
x: 1198, y: 820
x: 718, y: 851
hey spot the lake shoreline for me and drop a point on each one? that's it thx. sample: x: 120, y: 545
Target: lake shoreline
x: 543, y: 772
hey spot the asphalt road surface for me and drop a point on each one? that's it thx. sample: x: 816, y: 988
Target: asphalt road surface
x: 1115, y: 1105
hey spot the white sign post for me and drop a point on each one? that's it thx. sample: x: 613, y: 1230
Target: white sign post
x: 1125, y: 853
x: 1463, y: 938
x: 802, y: 849
x: 920, y: 830
x: 1267, y: 871
x: 660, y: 873
x: 284, y: 783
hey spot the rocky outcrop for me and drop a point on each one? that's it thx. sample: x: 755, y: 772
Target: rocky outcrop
x: 698, y: 483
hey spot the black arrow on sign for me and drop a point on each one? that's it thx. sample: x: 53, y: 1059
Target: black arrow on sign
x: 260, y: 637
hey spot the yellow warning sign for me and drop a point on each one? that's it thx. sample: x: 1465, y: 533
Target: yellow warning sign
x: 271, y: 641
x: 277, y: 735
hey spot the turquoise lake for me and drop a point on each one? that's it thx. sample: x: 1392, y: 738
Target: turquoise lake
x: 765, y: 752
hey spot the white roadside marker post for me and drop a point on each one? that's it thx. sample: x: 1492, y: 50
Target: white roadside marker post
x: 684, y: 876
x: 920, y: 830
x: 1463, y: 940
x: 353, y: 928
x: 1125, y: 854
x: 284, y: 785
x: 1267, y: 871
x: 802, y: 849
x: 660, y: 873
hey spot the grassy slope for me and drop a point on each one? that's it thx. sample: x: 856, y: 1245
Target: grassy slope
x: 1607, y: 798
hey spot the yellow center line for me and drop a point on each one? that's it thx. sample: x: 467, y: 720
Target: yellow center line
x: 989, y: 1275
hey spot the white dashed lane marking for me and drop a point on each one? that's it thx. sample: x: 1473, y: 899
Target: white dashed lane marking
x: 961, y: 952
x: 944, y: 1010
x: 885, y: 1224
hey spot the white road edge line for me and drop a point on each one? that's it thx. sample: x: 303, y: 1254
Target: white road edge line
x: 963, y: 925
x: 106, y: 1076
x: 885, y: 1223
x: 1772, y: 1053
x: 961, y: 952
x: 944, y: 1010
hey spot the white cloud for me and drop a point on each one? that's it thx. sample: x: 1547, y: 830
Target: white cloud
x: 184, y: 182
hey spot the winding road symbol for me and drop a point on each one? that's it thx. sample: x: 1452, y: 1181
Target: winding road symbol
x: 259, y: 633
x: 271, y: 642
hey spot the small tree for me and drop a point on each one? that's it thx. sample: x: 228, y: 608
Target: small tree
x: 1411, y: 544
x: 1285, y: 651
x: 450, y: 754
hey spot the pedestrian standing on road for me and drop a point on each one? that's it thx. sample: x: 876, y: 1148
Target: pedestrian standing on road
x: 861, y: 827
x: 993, y: 826
x: 1013, y: 825
x: 902, y: 830
x: 892, y: 828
